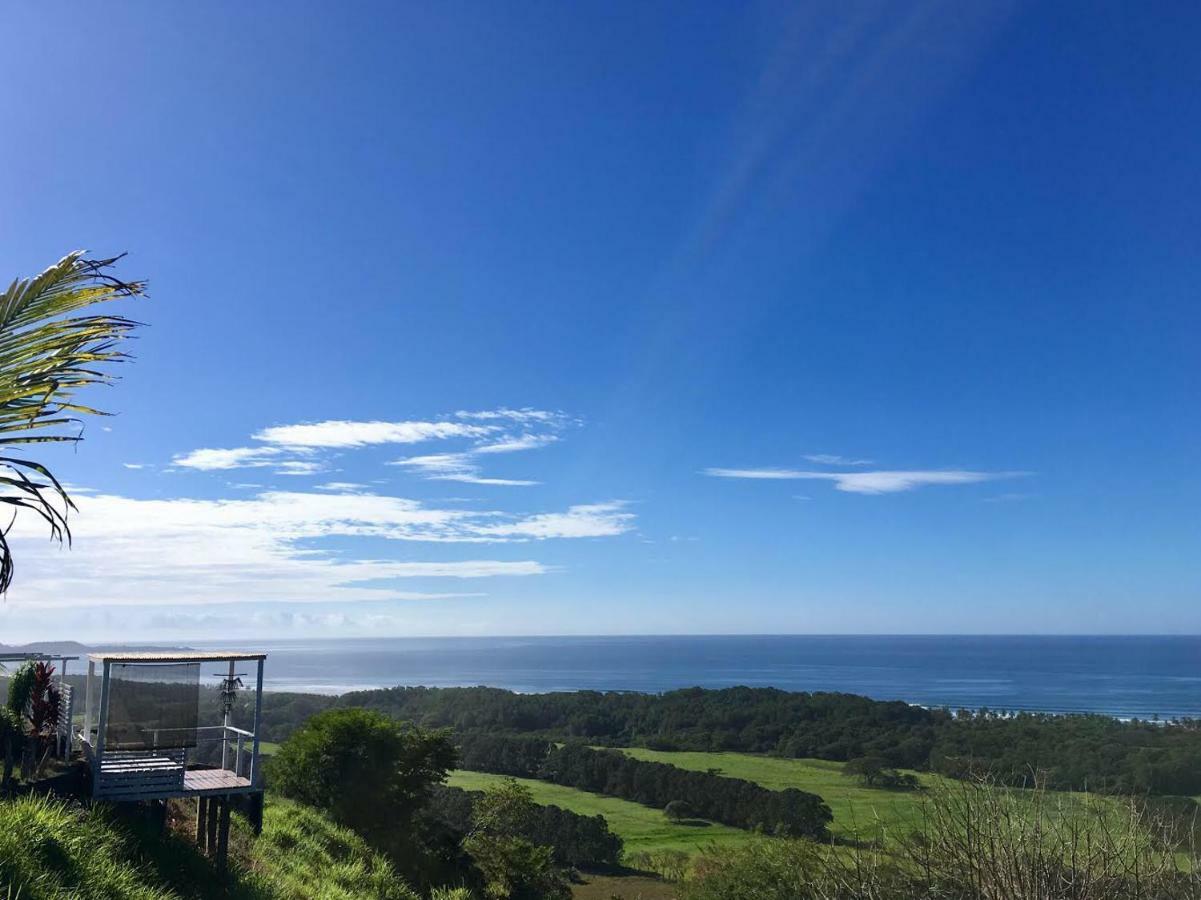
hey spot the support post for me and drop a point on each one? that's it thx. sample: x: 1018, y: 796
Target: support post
x: 223, y: 838
x: 202, y: 823
x: 228, y: 711
x: 211, y: 843
x: 98, y: 756
x: 87, y: 704
x: 258, y: 714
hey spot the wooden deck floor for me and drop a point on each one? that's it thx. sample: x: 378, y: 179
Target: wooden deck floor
x: 213, y: 781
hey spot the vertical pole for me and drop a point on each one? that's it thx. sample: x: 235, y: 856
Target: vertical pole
x: 258, y: 714
x: 87, y: 703
x: 202, y: 822
x: 212, y: 824
x: 98, y: 757
x: 228, y: 711
x: 223, y: 837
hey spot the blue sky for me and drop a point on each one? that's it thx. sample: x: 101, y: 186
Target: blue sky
x: 538, y: 318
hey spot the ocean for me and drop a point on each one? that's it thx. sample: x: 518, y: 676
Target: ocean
x: 1120, y: 676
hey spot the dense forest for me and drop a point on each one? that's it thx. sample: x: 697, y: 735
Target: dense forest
x: 1069, y: 752
x: 1074, y: 752
x: 731, y: 801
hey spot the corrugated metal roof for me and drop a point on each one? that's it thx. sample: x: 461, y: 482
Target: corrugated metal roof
x: 175, y: 656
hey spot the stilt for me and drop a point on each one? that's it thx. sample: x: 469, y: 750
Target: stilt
x: 256, y: 813
x: 223, y: 838
x: 202, y: 823
x: 211, y: 843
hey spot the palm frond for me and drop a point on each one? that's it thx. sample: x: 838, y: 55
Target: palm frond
x: 48, y: 352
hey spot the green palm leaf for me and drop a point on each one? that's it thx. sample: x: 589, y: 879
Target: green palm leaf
x: 50, y: 348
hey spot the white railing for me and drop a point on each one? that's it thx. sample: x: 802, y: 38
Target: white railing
x: 238, y: 740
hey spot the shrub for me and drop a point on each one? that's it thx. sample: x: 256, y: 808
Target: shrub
x: 514, y: 868
x: 368, y: 771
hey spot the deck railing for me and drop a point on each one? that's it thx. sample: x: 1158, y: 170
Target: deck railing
x: 237, y: 747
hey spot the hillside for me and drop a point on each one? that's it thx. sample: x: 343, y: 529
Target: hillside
x: 52, y: 850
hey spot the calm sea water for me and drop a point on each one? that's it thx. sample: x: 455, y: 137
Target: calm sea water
x: 1121, y: 676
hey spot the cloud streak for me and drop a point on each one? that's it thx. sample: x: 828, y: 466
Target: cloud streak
x: 272, y: 548
x: 882, y: 481
x: 304, y: 448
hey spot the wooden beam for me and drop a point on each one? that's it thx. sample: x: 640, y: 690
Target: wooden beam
x: 202, y: 823
x: 223, y: 838
x: 212, y: 824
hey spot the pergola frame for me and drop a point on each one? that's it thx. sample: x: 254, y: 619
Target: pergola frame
x: 161, y: 774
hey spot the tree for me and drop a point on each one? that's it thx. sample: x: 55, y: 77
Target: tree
x: 514, y: 868
x: 370, y: 772
x: 48, y: 351
x: 679, y: 810
x: 869, y: 769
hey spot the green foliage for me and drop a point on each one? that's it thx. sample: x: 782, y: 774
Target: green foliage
x: 49, y: 350
x: 20, y: 690
x: 976, y: 842
x: 641, y: 828
x: 368, y: 771
x: 52, y: 850
x: 1076, y: 752
x: 577, y: 840
x: 679, y: 810
x: 875, y: 772
x: 55, y: 851
x: 302, y: 854
x: 731, y: 801
x: 514, y: 868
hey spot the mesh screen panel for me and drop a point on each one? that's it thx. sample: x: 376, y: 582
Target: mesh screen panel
x: 152, y: 705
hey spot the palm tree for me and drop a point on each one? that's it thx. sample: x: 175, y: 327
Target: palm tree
x: 49, y: 349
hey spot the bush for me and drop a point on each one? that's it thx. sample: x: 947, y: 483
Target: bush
x: 368, y: 771
x: 514, y: 868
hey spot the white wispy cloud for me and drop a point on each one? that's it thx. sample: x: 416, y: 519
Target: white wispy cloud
x: 587, y: 520
x: 453, y: 467
x: 136, y: 465
x: 348, y: 434
x: 872, y: 482
x: 833, y: 459
x: 209, y: 459
x: 129, y: 551
x: 526, y: 415
x: 514, y: 444
x: 340, y: 486
x: 304, y: 448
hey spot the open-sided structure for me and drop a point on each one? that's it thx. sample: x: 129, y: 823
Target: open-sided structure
x: 143, y: 737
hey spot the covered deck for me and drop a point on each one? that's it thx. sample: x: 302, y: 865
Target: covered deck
x: 142, y: 736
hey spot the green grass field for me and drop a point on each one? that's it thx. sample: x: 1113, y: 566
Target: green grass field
x: 866, y: 813
x: 641, y: 828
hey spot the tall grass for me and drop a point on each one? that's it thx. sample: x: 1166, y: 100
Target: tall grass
x: 303, y: 854
x: 50, y: 849
x: 974, y: 842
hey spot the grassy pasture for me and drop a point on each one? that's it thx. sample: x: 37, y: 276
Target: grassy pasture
x: 863, y: 812
x: 642, y: 828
